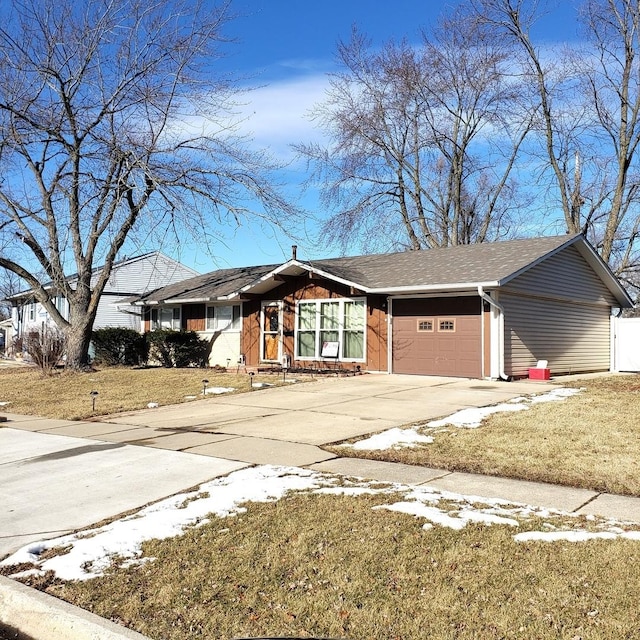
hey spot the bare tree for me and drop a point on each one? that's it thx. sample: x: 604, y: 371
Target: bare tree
x: 588, y: 125
x: 421, y: 149
x: 113, y: 118
x: 9, y: 285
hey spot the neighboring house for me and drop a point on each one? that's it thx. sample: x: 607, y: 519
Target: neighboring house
x: 129, y: 277
x: 486, y: 310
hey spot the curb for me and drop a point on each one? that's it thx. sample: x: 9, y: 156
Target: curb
x: 33, y: 615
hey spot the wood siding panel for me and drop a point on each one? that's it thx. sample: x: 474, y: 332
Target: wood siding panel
x: 305, y: 288
x: 377, y: 332
x: 193, y: 317
x: 250, y: 340
x: 572, y: 337
x: 566, y: 275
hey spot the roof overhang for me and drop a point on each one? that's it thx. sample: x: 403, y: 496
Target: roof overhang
x: 436, y: 288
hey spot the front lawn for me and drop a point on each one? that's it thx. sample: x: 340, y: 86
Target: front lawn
x: 349, y: 563
x: 67, y: 395
x: 590, y: 440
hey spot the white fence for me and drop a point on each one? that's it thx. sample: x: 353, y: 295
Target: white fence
x: 626, y: 344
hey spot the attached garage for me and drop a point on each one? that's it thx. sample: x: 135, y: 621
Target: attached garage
x: 437, y: 336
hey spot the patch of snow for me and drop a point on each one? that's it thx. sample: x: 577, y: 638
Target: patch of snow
x: 91, y: 551
x: 555, y: 395
x: 218, y: 390
x: 261, y: 385
x: 4, y: 404
x: 391, y: 439
x: 565, y: 536
x: 472, y: 418
x: 190, y: 397
x: 153, y: 405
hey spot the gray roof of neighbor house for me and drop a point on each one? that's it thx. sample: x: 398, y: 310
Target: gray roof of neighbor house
x: 463, y: 267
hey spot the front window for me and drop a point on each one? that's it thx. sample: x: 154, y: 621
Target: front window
x: 225, y: 318
x: 323, y: 324
x: 165, y: 318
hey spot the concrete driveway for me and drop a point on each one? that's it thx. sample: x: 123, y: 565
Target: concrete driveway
x: 288, y: 425
x: 57, y: 476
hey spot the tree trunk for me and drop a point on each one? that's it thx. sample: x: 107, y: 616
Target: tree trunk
x: 78, y: 339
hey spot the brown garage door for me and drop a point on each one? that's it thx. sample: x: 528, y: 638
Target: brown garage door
x: 437, y: 336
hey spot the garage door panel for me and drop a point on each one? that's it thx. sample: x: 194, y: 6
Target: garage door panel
x: 437, y: 352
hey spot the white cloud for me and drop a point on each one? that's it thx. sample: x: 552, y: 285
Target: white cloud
x: 278, y: 115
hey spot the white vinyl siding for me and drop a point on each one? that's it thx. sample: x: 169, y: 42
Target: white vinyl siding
x: 572, y: 337
x: 339, y: 321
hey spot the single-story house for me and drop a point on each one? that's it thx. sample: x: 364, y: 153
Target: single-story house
x: 129, y: 277
x: 487, y: 310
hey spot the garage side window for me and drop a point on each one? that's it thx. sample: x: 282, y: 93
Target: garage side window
x: 425, y: 324
x: 446, y: 325
x: 331, y: 321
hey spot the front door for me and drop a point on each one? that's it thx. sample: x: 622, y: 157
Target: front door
x: 271, y: 343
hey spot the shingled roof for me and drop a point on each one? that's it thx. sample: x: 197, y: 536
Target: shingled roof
x: 451, y: 268
x: 210, y: 286
x: 472, y: 264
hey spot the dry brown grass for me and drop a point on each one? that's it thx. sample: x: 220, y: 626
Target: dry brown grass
x: 329, y: 566
x: 66, y: 395
x: 591, y: 440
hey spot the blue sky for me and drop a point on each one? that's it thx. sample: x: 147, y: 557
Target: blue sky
x: 285, y: 48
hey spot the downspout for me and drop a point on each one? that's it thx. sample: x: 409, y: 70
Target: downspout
x: 487, y: 298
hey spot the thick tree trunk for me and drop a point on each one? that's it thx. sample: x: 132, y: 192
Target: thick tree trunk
x: 78, y: 333
x: 78, y: 339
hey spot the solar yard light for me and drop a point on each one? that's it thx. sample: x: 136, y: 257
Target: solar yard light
x: 94, y: 395
x: 251, y: 374
x: 205, y: 382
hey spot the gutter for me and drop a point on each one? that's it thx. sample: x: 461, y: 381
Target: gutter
x: 487, y: 298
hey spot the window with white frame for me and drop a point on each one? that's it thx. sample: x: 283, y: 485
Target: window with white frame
x: 223, y: 318
x: 165, y: 318
x: 322, y: 321
x: 32, y: 311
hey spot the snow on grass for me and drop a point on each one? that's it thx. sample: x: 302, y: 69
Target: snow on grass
x: 470, y: 418
x: 574, y: 536
x: 556, y: 394
x: 92, y: 550
x: 218, y: 390
x: 89, y: 553
x: 391, y: 439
